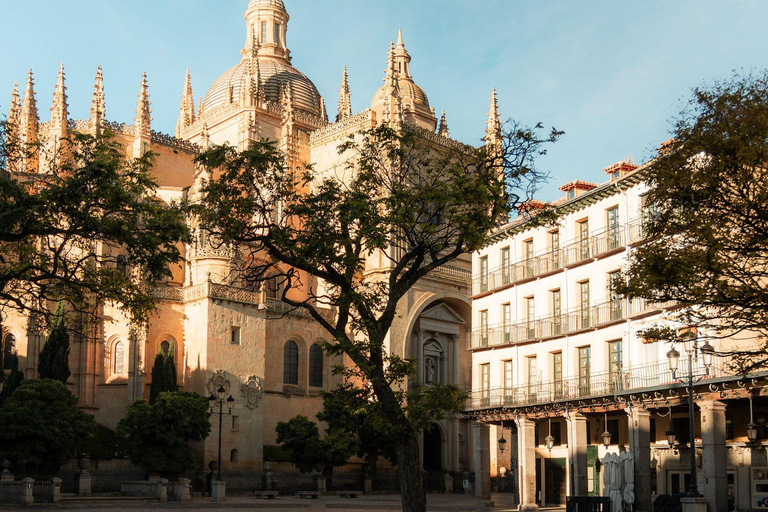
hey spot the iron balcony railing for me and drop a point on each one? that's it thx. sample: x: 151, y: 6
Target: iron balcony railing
x: 591, y: 385
x: 575, y: 252
x: 570, y: 322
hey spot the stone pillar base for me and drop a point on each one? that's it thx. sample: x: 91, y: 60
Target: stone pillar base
x: 83, y: 483
x: 448, y: 482
x: 218, y: 490
x: 694, y: 504
x: 532, y: 507
x: 368, y: 484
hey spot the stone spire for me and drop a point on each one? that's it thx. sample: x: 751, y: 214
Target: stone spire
x: 443, y: 129
x: 252, y: 77
x: 14, y: 111
x: 345, y: 98
x: 323, y: 111
x: 30, y: 126
x: 13, y: 132
x: 493, y: 128
x: 187, y: 106
x: 286, y: 134
x: 205, y: 138
x: 401, y: 57
x: 143, y: 126
x: 59, y: 113
x: 98, y: 120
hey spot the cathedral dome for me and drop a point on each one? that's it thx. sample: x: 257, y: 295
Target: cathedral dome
x: 413, y: 97
x: 275, y: 74
x: 259, y: 3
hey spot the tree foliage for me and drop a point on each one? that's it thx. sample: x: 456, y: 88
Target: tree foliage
x: 163, y: 376
x: 707, y: 215
x: 300, y: 436
x: 54, y: 358
x: 90, y: 229
x: 415, y: 205
x: 11, y: 381
x: 157, y: 437
x: 42, y: 424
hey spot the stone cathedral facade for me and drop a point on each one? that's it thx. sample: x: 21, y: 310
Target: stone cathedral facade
x: 219, y: 332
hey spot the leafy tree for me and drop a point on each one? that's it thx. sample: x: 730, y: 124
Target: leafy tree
x: 42, y: 424
x: 351, y: 409
x: 88, y: 230
x: 104, y: 444
x: 412, y: 203
x: 54, y: 358
x: 301, y: 438
x: 707, y: 215
x: 163, y: 376
x: 157, y: 437
x: 11, y: 381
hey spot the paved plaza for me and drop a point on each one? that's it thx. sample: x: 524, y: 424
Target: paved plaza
x: 387, y: 503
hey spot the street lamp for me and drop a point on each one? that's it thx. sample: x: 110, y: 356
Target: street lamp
x: 707, y: 354
x: 218, y: 398
x: 751, y: 426
x: 670, y: 437
x: 549, y: 439
x: 502, y: 441
x: 606, y: 435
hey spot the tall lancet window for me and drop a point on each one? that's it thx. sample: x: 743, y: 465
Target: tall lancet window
x: 263, y: 32
x: 119, y: 355
x: 277, y: 33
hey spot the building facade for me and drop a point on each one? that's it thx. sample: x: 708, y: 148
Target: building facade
x: 221, y: 333
x: 557, y: 352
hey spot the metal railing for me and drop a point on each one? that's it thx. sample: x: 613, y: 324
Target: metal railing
x: 607, y: 383
x: 577, y: 251
x: 572, y: 321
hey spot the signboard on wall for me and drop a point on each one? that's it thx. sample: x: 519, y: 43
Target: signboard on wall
x: 760, y: 487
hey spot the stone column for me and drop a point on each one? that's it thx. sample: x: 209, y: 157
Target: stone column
x: 455, y: 359
x: 481, y: 437
x: 526, y: 467
x: 455, y: 448
x: 640, y: 448
x: 577, y: 453
x: 420, y: 362
x: 714, y: 466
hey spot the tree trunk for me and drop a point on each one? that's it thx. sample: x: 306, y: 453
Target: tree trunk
x: 409, y: 471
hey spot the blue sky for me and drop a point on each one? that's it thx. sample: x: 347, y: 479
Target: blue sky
x: 609, y: 73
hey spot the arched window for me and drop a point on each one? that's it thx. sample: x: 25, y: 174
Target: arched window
x: 165, y: 347
x: 316, y: 366
x: 122, y: 264
x: 119, y: 358
x: 291, y: 363
x: 9, y: 351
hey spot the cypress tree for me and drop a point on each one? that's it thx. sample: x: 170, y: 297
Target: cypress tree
x: 13, y: 380
x: 170, y: 374
x: 54, y: 358
x: 158, y: 376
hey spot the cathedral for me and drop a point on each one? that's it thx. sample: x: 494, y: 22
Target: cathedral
x: 222, y: 334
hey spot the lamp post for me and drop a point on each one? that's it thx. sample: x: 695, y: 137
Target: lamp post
x: 707, y: 353
x: 219, y: 399
x: 751, y: 426
x: 607, y: 434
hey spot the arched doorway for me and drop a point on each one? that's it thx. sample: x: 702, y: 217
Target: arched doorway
x: 433, y: 449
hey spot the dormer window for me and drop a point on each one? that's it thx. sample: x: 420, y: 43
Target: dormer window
x: 571, y: 193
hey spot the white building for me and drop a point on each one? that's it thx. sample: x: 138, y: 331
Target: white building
x: 555, y: 351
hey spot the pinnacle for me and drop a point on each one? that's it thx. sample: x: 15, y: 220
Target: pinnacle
x: 98, y: 107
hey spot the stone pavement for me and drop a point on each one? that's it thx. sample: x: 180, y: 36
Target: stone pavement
x: 380, y: 503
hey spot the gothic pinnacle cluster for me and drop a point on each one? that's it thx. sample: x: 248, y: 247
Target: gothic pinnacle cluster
x: 24, y: 121
x: 345, y: 97
x: 187, y: 107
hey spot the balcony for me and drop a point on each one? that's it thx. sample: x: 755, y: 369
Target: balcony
x: 572, y: 321
x: 576, y: 252
x: 609, y: 383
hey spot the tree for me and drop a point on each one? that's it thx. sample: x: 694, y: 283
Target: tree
x: 301, y: 438
x: 54, y: 358
x: 413, y: 203
x: 707, y: 216
x: 163, y: 376
x: 157, y: 437
x: 351, y: 409
x: 11, y: 381
x: 42, y: 424
x: 88, y: 230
